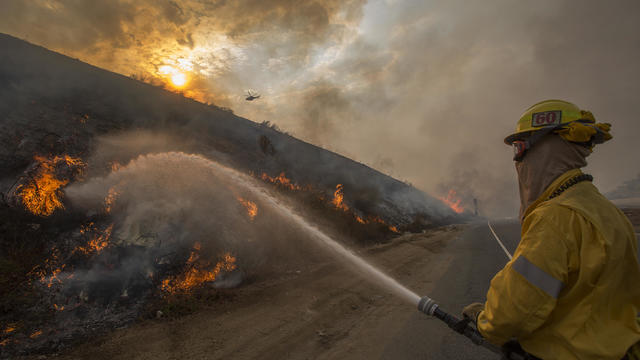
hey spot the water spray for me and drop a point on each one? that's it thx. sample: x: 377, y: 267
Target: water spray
x: 425, y: 304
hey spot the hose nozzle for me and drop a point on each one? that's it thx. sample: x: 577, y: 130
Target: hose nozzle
x: 427, y: 306
x: 464, y: 327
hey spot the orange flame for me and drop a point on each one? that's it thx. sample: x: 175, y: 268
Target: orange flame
x: 252, y: 208
x: 8, y: 330
x: 4, y: 342
x: 380, y: 221
x: 338, y: 198
x: 50, y: 266
x: 98, y: 242
x: 40, y: 196
x: 52, y: 278
x: 40, y: 270
x: 453, y: 202
x: 36, y: 334
x: 58, y: 307
x: 337, y: 201
x: 281, y: 180
x: 198, y: 273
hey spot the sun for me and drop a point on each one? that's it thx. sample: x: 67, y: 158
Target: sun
x: 178, y: 79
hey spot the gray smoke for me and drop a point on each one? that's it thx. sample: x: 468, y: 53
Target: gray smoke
x: 425, y: 90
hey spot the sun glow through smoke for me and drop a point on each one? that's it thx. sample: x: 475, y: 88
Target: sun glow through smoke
x: 177, y: 77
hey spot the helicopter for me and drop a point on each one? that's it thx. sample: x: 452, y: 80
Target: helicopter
x: 251, y: 97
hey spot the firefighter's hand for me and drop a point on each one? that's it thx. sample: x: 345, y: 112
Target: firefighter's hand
x: 472, y: 311
x: 461, y: 325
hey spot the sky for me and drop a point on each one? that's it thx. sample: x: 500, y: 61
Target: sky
x: 425, y: 91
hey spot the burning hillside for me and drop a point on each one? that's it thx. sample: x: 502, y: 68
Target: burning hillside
x: 106, y: 214
x: 160, y: 226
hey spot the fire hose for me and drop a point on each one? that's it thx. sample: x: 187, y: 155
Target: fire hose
x: 467, y: 328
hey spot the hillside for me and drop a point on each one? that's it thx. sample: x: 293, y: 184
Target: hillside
x: 120, y: 199
x: 49, y: 101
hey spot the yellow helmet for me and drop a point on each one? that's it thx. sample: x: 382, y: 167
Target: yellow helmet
x: 546, y: 115
x: 559, y: 117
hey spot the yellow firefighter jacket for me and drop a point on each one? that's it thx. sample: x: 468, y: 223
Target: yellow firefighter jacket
x: 572, y: 289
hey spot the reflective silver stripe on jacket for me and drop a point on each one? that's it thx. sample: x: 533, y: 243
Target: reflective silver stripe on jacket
x: 538, y: 277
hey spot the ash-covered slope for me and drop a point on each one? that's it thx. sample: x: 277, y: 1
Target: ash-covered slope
x: 53, y: 104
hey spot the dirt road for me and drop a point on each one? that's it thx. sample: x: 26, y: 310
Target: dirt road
x: 325, y: 310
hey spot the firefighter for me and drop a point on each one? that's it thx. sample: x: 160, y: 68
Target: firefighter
x: 572, y: 289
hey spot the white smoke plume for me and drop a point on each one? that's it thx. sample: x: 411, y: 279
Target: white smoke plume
x: 168, y: 202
